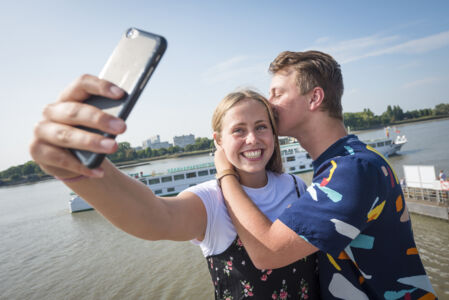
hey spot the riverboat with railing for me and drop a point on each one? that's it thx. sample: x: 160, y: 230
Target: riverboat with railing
x: 170, y: 183
x: 294, y: 158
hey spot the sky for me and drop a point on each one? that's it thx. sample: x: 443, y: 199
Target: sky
x: 391, y: 53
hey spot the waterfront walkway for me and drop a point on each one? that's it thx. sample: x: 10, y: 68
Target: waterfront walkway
x: 429, y: 202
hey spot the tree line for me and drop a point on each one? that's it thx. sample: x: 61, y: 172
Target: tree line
x: 393, y: 115
x: 31, y: 172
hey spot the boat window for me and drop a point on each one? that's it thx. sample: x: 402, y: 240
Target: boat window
x: 290, y: 158
x: 191, y: 175
x: 372, y: 145
x: 388, y: 142
x: 172, y: 189
x: 154, y: 181
x: 292, y: 168
x: 380, y: 144
x: 144, y: 181
x: 179, y: 177
x: 203, y: 173
x: 302, y: 167
x: 167, y: 179
x: 212, y: 171
x: 157, y: 192
x: 193, y: 184
x: 307, y: 155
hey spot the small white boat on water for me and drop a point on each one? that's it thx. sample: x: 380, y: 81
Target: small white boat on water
x: 294, y: 158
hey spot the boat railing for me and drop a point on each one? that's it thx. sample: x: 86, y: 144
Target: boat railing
x: 190, y: 168
x: 436, y: 196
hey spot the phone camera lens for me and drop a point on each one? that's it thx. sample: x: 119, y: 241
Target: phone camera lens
x: 131, y: 33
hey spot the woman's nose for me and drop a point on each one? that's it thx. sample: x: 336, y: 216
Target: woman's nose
x: 251, y: 137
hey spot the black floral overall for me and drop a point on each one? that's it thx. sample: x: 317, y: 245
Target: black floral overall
x: 235, y: 277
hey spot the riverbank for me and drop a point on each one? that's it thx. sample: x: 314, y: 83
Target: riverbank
x: 403, y: 122
x: 144, y: 161
x: 33, y: 178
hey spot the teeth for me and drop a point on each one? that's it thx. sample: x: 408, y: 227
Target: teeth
x: 252, y: 154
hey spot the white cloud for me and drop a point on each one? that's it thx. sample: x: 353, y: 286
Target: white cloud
x: 420, y: 82
x: 377, y: 45
x: 322, y: 40
x: 236, y: 69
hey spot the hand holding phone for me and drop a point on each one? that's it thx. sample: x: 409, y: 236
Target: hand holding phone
x: 130, y: 66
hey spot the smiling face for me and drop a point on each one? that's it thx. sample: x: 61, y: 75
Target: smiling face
x: 247, y: 138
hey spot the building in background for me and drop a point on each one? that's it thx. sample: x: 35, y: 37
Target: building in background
x: 154, y: 142
x: 183, y: 140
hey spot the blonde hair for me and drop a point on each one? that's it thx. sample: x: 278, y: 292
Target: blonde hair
x: 275, y: 162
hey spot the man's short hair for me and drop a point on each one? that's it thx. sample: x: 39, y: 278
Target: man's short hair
x: 313, y: 69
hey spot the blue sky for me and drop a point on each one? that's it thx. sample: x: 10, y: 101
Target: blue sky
x: 391, y: 52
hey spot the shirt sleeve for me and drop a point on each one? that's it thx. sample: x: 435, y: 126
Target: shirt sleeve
x: 206, y: 193
x: 335, y: 208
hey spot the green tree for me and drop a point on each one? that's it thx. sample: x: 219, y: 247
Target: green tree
x: 441, y: 109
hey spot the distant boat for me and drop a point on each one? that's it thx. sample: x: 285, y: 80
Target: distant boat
x: 294, y: 159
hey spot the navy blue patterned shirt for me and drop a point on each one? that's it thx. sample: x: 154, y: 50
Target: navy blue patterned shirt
x: 354, y: 212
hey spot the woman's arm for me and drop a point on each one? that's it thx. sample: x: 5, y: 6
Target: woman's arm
x: 127, y: 203
x: 132, y: 206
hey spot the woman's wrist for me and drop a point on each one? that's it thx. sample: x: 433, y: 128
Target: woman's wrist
x: 71, y: 179
x: 226, y: 172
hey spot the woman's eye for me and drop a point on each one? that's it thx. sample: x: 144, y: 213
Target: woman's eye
x: 261, y: 127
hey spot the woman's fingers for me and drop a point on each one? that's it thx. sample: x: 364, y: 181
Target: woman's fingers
x: 87, y: 85
x: 56, y: 132
x: 66, y: 136
x: 59, y: 162
x: 75, y: 113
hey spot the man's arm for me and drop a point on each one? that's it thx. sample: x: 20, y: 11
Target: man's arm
x: 270, y: 245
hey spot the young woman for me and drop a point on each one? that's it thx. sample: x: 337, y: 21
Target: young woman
x: 244, y: 127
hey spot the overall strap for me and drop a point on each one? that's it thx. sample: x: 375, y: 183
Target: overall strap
x: 296, y: 185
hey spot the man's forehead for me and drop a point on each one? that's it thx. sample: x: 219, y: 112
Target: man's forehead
x: 280, y: 76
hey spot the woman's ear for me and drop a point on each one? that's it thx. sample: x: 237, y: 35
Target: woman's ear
x: 217, y: 139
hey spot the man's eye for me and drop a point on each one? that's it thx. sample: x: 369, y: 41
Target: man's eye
x: 237, y: 130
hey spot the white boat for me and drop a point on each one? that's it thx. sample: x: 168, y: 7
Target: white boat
x: 387, y: 146
x: 76, y: 203
x: 170, y: 183
x: 294, y: 158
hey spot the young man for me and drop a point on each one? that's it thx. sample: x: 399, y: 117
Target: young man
x: 354, y: 212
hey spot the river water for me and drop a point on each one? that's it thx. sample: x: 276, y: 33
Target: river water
x: 48, y: 253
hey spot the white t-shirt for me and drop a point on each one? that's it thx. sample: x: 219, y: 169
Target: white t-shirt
x: 271, y: 199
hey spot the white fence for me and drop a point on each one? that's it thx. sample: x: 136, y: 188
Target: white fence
x: 420, y: 184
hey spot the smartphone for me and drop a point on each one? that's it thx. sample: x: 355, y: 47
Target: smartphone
x: 130, y: 66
